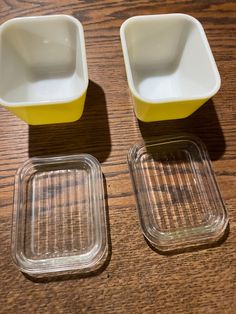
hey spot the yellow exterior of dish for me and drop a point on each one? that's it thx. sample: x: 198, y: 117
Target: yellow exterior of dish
x: 52, y: 113
x: 150, y: 112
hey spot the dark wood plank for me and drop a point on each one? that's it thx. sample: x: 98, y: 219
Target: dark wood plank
x: 137, y: 279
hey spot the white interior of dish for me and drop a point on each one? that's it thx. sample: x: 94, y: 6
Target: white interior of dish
x: 42, y: 59
x: 168, y: 57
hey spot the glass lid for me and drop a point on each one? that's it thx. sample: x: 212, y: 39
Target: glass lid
x: 59, y: 220
x: 176, y: 193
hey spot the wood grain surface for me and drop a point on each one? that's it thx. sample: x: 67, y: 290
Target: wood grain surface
x: 136, y: 279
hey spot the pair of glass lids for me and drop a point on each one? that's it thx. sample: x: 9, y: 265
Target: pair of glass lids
x: 59, y: 220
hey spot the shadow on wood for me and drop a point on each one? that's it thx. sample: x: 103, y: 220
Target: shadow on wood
x: 90, y: 134
x: 204, y: 123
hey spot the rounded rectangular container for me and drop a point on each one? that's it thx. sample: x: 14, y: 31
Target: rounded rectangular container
x: 43, y: 68
x: 176, y: 192
x: 59, y: 220
x: 170, y: 68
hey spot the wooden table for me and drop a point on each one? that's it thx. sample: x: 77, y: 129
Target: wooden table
x: 136, y: 279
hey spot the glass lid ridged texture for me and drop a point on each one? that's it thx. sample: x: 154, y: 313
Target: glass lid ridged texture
x: 59, y: 220
x: 177, y: 196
